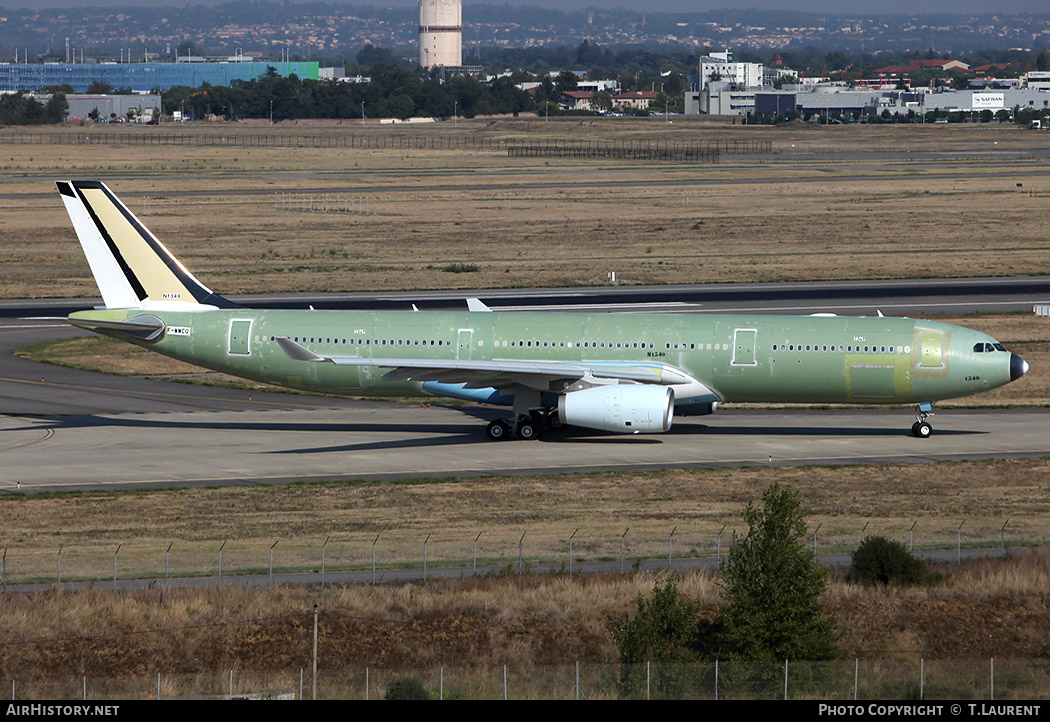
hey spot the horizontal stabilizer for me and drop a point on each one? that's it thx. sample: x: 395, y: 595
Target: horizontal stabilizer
x: 144, y: 328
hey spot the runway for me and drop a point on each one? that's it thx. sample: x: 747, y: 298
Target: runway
x: 68, y: 429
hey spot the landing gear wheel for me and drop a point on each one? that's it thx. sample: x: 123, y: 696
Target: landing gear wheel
x: 553, y: 420
x: 921, y: 429
x: 528, y: 429
x: 498, y: 430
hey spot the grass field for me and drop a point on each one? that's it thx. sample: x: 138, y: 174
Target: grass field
x: 545, y: 222
x: 527, y: 622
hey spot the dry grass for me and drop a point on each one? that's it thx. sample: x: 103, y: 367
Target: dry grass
x: 541, y: 222
x: 547, y: 510
x: 527, y: 623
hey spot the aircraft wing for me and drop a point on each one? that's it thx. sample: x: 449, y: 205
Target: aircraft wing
x: 477, y: 373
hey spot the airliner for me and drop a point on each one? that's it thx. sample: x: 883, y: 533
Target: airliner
x: 627, y: 373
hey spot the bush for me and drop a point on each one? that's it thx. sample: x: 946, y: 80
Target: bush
x: 407, y: 688
x: 881, y: 561
x: 663, y: 631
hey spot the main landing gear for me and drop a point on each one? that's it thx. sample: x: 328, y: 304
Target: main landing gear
x: 525, y: 426
x: 921, y: 428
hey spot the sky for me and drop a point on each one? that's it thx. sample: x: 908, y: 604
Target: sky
x: 866, y: 7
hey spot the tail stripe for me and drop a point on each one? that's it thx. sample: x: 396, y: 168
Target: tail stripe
x: 136, y: 285
x: 151, y: 270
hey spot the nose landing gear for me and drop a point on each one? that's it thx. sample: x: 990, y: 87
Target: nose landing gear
x: 921, y: 428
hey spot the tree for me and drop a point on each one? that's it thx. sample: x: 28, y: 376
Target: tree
x: 772, y: 585
x: 664, y: 632
x: 566, y: 81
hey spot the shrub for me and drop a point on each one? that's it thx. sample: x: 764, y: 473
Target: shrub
x: 663, y: 631
x: 881, y: 561
x: 407, y: 688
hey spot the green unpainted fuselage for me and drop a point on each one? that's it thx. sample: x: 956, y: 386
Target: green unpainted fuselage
x: 796, y: 359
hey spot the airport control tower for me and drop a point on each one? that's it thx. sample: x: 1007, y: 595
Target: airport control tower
x: 440, y: 33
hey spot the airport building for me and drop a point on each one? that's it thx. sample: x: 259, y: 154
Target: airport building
x: 111, y: 107
x: 832, y: 101
x: 142, y: 77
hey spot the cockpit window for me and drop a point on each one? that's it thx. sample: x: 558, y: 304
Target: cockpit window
x: 978, y: 348
x: 999, y: 347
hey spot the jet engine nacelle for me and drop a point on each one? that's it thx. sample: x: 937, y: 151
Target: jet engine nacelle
x: 627, y: 409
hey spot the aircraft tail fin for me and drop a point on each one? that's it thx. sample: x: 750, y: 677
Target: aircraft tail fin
x: 131, y: 267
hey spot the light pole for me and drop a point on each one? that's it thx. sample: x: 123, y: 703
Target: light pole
x: 362, y: 112
x: 271, y: 112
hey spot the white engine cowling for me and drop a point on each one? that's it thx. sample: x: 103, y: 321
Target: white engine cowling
x: 626, y: 409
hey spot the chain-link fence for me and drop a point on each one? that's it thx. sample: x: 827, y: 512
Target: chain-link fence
x: 855, y: 679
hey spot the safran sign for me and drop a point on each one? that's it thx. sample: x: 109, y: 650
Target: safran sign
x: 988, y: 100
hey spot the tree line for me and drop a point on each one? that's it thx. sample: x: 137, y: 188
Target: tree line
x: 19, y: 109
x: 393, y: 92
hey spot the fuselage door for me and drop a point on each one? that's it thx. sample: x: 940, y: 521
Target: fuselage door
x: 466, y: 339
x: 240, y: 337
x: 744, y: 347
x: 931, y: 350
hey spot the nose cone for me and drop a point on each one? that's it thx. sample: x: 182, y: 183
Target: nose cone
x: 1018, y: 367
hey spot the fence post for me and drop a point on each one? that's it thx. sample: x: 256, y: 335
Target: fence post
x: 991, y: 678
x: 1002, y: 538
x: 271, y: 561
x: 166, y: 553
x: 911, y: 535
x: 719, y: 543
x: 220, y: 561
x: 520, y: 542
x: 315, y: 654
x: 324, y: 548
x: 958, y: 543
x: 425, y: 557
x: 815, y: 538
x: 59, y: 563
x: 622, y: 537
x: 374, y: 562
x: 115, y: 566
x: 570, y: 552
x: 476, y: 552
x: 670, y: 538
